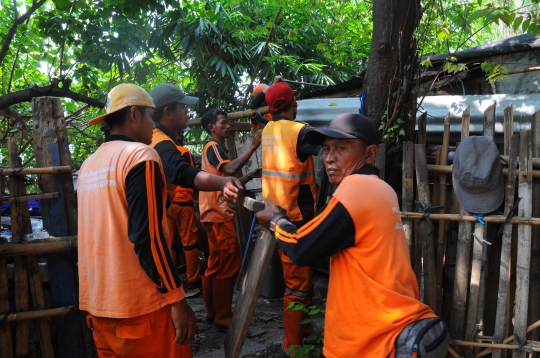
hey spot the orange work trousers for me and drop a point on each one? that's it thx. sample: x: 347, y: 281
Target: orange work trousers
x: 297, y: 280
x: 225, y: 260
x: 149, y: 335
x: 181, y: 220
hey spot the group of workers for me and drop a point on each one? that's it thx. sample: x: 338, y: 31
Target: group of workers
x: 135, y: 194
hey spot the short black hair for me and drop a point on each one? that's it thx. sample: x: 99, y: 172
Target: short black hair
x: 158, y: 112
x: 210, y: 117
x: 118, y: 118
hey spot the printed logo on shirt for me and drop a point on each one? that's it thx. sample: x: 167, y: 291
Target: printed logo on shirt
x: 395, y: 209
x: 399, y: 226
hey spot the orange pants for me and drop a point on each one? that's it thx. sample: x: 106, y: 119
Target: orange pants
x: 150, y: 335
x: 181, y: 220
x: 225, y: 260
x: 297, y: 280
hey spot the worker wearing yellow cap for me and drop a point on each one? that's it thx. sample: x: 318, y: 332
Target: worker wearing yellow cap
x: 128, y: 283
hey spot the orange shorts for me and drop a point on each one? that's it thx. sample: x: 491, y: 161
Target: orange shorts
x: 149, y: 335
x: 297, y: 280
x: 225, y: 260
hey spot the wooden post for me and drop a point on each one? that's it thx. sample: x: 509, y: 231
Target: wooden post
x: 524, y: 240
x: 407, y: 196
x: 59, y: 218
x: 422, y: 128
x: 441, y: 238
x: 428, y: 253
x: 20, y: 226
x: 534, y: 301
x: 501, y: 318
x: 482, y: 250
x: 508, y: 127
x: 461, y: 281
x: 6, y: 346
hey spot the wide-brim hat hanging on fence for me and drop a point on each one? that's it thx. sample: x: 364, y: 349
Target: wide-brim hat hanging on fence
x: 477, y: 175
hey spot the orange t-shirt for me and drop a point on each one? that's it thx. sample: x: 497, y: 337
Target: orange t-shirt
x: 212, y: 206
x: 112, y: 282
x: 372, y: 292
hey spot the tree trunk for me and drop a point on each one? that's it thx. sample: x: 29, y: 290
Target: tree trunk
x: 392, y: 62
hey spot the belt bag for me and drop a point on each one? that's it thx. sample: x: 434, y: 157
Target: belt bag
x: 426, y: 338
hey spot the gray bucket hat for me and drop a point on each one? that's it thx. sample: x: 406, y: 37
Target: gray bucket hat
x: 477, y: 175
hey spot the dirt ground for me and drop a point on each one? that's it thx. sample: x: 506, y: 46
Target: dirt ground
x: 266, y: 331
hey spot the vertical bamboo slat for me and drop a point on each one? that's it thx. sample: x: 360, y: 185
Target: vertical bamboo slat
x: 534, y: 300
x: 524, y: 240
x: 501, y: 318
x: 441, y: 238
x: 380, y: 160
x: 426, y: 230
x: 461, y: 281
x: 20, y: 226
x: 407, y: 196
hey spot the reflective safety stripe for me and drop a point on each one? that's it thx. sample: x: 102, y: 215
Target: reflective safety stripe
x: 286, y: 175
x: 298, y: 293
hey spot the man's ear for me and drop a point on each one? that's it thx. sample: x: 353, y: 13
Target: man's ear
x: 132, y: 114
x: 371, y: 153
x: 211, y: 127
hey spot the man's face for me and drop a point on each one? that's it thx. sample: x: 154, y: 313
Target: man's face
x: 143, y: 124
x: 342, y: 157
x: 222, y: 127
x: 179, y: 117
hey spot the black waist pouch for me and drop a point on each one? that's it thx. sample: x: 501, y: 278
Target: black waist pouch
x: 426, y: 338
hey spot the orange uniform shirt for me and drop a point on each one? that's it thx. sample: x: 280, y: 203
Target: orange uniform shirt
x: 212, y: 205
x: 112, y: 281
x: 372, y: 293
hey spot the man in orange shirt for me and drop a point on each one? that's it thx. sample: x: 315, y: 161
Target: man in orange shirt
x: 128, y: 282
x: 224, y: 261
x: 372, y: 308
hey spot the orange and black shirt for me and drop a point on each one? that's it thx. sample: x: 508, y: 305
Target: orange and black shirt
x: 125, y: 267
x: 372, y: 293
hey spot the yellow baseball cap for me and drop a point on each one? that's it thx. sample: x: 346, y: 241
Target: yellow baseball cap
x: 122, y: 96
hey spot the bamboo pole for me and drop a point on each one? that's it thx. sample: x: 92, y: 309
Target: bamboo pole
x: 408, y: 194
x: 501, y: 318
x: 467, y: 218
x: 20, y: 226
x: 461, y: 280
x: 492, y: 345
x: 233, y: 115
x: 508, y: 128
x: 261, y: 57
x: 524, y: 240
x: 428, y: 253
x: 31, y: 197
x: 534, y: 300
x: 422, y: 121
x: 509, y: 339
x: 441, y: 238
x: 448, y: 169
x: 489, y: 130
x: 43, y: 247
x: 53, y: 312
x: 26, y: 171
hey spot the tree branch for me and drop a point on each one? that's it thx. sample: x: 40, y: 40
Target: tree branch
x: 6, y: 42
x: 11, y: 113
x: 27, y: 95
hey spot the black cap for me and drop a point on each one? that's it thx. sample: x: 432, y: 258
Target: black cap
x: 346, y: 126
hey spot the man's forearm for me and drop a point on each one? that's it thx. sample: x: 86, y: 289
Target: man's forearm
x: 234, y: 166
x: 208, y: 182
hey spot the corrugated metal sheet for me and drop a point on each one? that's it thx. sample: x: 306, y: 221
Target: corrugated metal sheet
x: 319, y: 112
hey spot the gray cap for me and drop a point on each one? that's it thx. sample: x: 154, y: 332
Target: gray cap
x: 168, y: 93
x: 477, y: 175
x: 346, y: 126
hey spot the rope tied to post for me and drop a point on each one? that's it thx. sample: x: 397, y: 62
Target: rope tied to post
x: 509, y: 217
x: 427, y: 209
x: 521, y: 345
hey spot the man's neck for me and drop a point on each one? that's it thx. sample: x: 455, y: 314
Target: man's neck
x: 220, y: 140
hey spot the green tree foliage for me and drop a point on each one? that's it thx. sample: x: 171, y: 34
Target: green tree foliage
x: 209, y: 48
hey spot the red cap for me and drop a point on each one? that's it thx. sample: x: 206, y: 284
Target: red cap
x: 278, y: 96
